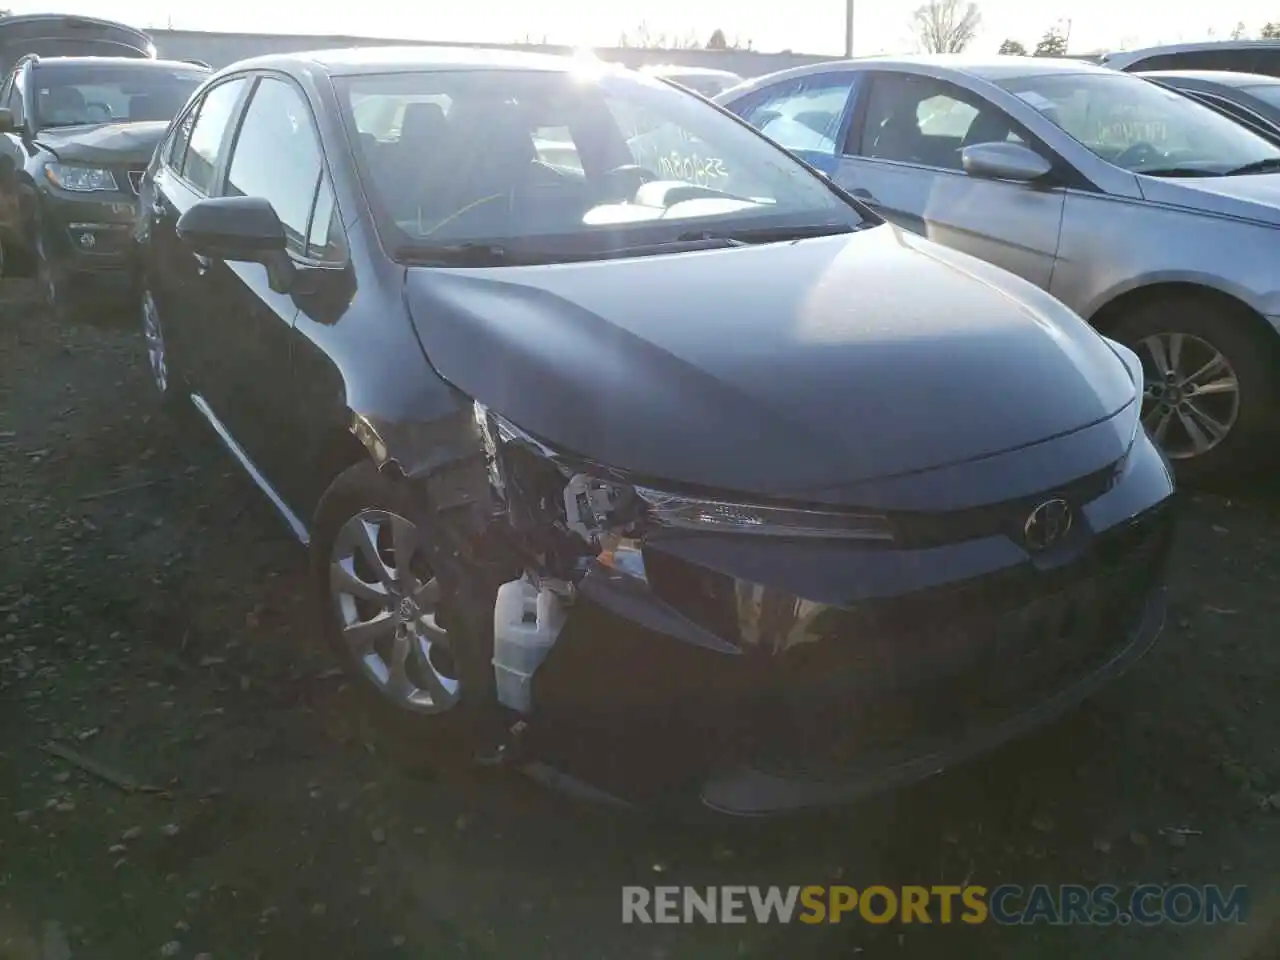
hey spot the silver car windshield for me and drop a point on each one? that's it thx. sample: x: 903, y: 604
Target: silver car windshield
x: 517, y: 156
x: 1143, y: 127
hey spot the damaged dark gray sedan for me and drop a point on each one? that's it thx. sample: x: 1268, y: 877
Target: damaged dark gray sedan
x: 628, y: 450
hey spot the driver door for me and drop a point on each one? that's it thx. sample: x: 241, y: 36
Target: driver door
x: 902, y: 156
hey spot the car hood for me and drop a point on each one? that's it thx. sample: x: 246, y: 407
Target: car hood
x: 113, y: 143
x: 775, y: 369
x: 1254, y: 197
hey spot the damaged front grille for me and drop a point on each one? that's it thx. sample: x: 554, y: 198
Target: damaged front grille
x: 933, y: 665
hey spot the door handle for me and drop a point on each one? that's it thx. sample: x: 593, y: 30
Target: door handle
x: 202, y: 263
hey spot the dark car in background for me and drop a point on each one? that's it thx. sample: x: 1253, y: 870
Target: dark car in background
x: 75, y: 135
x: 1252, y: 99
x: 710, y: 487
x: 1237, y: 56
x: 63, y: 35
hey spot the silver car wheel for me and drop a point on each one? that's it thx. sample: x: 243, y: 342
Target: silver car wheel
x: 1191, y: 397
x: 154, y: 335
x: 388, y: 603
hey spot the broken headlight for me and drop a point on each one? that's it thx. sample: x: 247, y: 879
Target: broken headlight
x: 611, y: 516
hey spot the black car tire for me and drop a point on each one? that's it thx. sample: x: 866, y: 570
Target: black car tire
x: 358, y: 490
x: 1251, y: 355
x: 169, y: 380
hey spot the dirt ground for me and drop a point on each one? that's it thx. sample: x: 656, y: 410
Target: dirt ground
x: 153, y: 620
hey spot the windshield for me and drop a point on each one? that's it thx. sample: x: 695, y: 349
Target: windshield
x: 1141, y: 126
x: 1268, y: 93
x: 70, y: 94
x: 568, y: 162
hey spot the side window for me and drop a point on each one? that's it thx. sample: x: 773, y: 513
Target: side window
x: 208, y: 134
x: 943, y: 116
x: 176, y: 150
x: 911, y: 119
x: 324, y: 237
x: 277, y: 157
x: 15, y: 98
x: 804, y: 114
x: 556, y: 146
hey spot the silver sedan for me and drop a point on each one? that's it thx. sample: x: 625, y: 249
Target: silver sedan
x: 1150, y: 215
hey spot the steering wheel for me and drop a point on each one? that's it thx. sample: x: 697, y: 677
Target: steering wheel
x: 103, y: 108
x: 623, y: 181
x: 1137, y: 155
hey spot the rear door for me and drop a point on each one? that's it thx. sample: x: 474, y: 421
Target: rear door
x: 808, y: 115
x: 186, y: 170
x: 902, y: 156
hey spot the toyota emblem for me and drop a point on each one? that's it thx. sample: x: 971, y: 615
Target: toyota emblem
x: 1047, y: 524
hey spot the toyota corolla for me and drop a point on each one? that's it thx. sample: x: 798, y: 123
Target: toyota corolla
x: 655, y: 461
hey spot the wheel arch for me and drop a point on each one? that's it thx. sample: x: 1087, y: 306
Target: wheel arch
x: 1107, y: 316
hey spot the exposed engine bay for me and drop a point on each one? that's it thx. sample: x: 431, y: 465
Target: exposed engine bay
x: 520, y: 528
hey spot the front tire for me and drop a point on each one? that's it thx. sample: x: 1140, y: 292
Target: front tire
x: 1210, y: 395
x: 167, y: 376
x: 380, y: 604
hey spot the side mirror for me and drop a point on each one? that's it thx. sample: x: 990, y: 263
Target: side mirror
x: 1004, y: 161
x: 239, y: 228
x: 6, y: 121
x: 233, y: 228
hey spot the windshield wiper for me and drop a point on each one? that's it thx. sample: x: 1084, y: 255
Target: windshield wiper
x: 1258, y: 166
x: 465, y: 255
x: 476, y: 254
x: 1177, y: 172
x: 769, y: 234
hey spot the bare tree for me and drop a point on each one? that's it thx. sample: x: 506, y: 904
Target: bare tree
x: 1013, y: 48
x: 945, y: 26
x: 642, y: 38
x: 1270, y: 31
x: 1239, y: 31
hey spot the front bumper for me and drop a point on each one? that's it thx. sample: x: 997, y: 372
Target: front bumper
x: 88, y: 240
x: 891, y: 665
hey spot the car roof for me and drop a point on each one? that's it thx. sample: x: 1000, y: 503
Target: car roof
x: 24, y: 19
x: 1122, y: 58
x: 137, y: 62
x: 409, y: 59
x: 1227, y: 78
x: 994, y: 67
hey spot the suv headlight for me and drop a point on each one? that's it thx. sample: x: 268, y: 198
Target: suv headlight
x: 612, y: 515
x: 80, y: 179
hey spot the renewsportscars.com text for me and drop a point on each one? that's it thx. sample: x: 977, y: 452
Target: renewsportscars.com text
x: 1008, y: 904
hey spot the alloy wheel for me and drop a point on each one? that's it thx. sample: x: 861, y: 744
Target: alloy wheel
x: 154, y: 335
x: 387, y: 601
x: 1191, y: 395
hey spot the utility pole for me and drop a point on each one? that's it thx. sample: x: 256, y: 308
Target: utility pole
x: 848, y: 28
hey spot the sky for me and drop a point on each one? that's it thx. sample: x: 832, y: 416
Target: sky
x: 805, y: 26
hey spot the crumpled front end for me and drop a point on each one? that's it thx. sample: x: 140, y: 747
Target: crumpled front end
x: 768, y: 657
